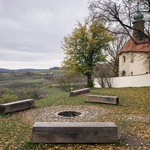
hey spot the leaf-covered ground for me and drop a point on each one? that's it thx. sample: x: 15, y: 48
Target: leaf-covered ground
x: 132, y: 117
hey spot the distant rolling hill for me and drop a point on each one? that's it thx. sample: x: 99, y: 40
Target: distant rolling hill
x: 3, y: 70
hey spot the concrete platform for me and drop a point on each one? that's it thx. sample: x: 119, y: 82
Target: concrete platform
x: 16, y: 106
x: 114, y: 100
x: 74, y: 132
x: 78, y: 92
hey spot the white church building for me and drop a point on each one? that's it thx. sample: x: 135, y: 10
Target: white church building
x: 134, y: 59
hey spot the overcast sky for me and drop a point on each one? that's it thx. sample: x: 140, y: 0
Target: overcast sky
x: 31, y: 31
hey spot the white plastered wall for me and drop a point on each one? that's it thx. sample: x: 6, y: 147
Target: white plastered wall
x: 127, y: 81
x: 134, y: 64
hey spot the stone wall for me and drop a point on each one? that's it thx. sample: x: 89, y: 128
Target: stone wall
x: 127, y: 81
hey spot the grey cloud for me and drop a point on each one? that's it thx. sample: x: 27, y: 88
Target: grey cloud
x: 33, y: 28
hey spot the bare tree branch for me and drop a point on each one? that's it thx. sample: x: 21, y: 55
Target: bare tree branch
x: 121, y: 14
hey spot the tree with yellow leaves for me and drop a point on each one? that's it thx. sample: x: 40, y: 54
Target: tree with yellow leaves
x: 84, y: 48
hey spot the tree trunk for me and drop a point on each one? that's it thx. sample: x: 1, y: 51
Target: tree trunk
x: 89, y: 80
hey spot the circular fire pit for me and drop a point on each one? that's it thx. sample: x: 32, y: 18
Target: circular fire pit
x: 69, y: 113
x: 60, y: 114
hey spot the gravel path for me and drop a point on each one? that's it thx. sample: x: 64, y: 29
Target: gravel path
x: 50, y: 114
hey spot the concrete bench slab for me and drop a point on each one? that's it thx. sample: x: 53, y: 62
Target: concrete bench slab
x: 16, y: 106
x: 78, y: 92
x: 74, y: 132
x: 114, y: 100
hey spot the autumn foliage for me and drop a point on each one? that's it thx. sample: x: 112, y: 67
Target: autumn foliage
x: 84, y: 48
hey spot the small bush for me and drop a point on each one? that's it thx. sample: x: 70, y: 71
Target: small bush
x: 67, y: 81
x: 27, y: 93
x: 38, y: 94
x: 4, y: 91
x: 6, y: 98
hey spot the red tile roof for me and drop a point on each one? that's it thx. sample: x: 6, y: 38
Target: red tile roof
x: 141, y: 46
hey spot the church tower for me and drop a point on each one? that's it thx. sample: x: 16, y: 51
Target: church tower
x: 138, y: 24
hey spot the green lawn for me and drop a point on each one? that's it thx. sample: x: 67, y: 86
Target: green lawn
x: 131, y: 117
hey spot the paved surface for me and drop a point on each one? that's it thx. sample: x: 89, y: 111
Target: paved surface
x: 50, y: 114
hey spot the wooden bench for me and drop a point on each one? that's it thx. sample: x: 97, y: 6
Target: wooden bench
x: 74, y: 132
x: 114, y: 100
x: 81, y: 91
x: 16, y: 106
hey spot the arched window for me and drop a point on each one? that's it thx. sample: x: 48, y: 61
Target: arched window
x: 124, y: 59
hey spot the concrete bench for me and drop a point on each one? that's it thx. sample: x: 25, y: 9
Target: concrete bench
x: 16, y: 106
x: 103, y: 99
x: 81, y: 91
x: 74, y: 132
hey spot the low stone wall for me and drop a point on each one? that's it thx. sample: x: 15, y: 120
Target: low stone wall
x: 74, y: 132
x: 127, y: 81
x: 16, y: 106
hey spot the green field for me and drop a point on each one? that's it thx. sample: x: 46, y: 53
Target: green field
x: 25, y: 85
